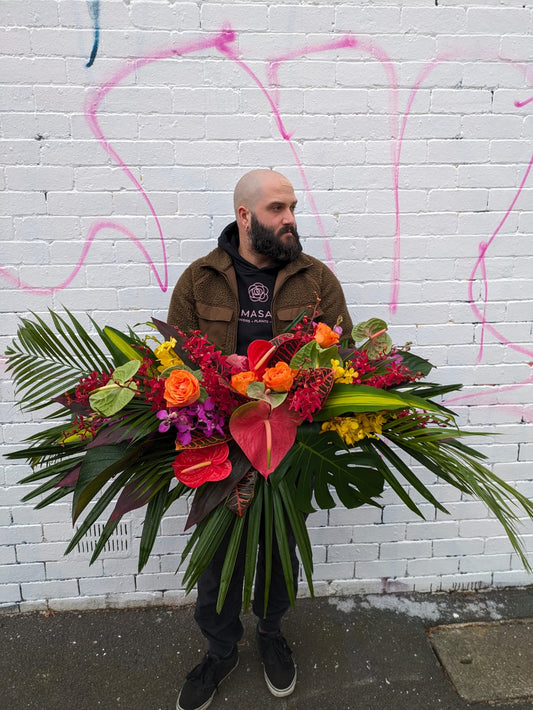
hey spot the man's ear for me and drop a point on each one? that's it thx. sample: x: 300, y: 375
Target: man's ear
x: 243, y: 217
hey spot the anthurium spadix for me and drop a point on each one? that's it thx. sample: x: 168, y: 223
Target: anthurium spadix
x: 264, y: 434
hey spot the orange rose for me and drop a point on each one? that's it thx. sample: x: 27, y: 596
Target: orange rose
x: 241, y: 380
x: 279, y: 378
x: 325, y: 337
x: 181, y: 388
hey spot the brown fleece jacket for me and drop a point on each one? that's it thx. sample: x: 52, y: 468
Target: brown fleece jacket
x: 205, y: 297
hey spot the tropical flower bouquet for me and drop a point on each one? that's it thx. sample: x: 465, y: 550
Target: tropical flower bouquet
x: 262, y: 439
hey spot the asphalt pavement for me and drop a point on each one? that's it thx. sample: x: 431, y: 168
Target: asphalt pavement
x: 374, y: 652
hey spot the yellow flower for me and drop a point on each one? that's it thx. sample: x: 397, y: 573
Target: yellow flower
x: 166, y: 355
x: 344, y: 375
x: 354, y: 428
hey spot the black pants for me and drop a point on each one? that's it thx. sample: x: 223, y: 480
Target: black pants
x: 224, y: 630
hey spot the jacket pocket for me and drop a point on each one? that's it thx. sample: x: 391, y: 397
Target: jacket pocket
x: 214, y: 322
x: 287, y: 315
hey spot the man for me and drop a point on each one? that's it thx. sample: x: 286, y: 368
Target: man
x: 251, y: 287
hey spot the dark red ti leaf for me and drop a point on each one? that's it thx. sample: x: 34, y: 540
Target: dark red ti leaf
x: 70, y: 479
x: 73, y: 405
x: 111, y: 434
x: 134, y: 495
x: 240, y: 498
x: 211, y: 494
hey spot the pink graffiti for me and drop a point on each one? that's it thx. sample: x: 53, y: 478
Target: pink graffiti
x: 520, y: 104
x: 91, y: 114
x: 484, y: 246
x: 480, y: 264
x: 223, y: 42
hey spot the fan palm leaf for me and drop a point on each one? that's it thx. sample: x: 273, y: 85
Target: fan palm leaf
x: 56, y: 358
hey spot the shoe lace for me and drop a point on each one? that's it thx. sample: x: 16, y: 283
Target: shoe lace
x: 204, y: 672
x: 278, y: 650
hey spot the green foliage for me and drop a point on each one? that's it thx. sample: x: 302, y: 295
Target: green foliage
x: 378, y: 340
x: 311, y: 355
x: 363, y: 398
x: 45, y: 362
x: 130, y: 460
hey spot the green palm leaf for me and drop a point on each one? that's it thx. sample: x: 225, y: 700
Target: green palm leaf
x: 459, y: 466
x: 154, y: 512
x: 46, y: 361
x: 254, y: 513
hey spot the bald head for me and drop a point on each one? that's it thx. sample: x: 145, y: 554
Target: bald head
x: 264, y: 210
x: 254, y: 185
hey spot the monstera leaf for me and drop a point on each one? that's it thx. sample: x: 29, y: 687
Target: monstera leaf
x: 318, y: 461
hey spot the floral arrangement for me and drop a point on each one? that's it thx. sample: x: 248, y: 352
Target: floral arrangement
x: 268, y: 436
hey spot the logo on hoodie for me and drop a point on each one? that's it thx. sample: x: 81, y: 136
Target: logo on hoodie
x: 258, y: 293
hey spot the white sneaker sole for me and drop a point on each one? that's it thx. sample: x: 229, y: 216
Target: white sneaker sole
x: 281, y: 692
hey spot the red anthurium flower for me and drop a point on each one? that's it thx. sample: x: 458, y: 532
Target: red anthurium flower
x: 193, y: 467
x: 259, y: 353
x: 264, y: 434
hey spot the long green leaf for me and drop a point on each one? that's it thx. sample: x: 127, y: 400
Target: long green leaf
x: 109, y: 529
x: 268, y: 522
x: 297, y: 522
x: 406, y: 472
x: 96, y: 511
x: 283, y: 545
x: 229, y: 561
x: 98, y: 466
x: 154, y: 513
x: 362, y: 398
x: 388, y: 475
x: 255, y: 513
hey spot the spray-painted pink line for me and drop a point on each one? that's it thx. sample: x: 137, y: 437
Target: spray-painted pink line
x: 219, y: 41
x: 91, y: 114
x: 520, y: 104
x: 480, y: 263
x: 489, y: 392
x: 348, y: 41
x: 286, y: 136
x: 274, y: 64
x: 91, y: 235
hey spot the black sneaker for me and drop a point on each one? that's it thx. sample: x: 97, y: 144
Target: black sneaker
x: 202, y: 682
x: 280, y: 671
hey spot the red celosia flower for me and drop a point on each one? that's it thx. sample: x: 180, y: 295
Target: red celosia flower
x: 311, y: 388
x: 193, y: 467
x: 216, y: 372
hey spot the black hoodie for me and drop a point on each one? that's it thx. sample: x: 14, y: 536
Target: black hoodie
x: 255, y: 286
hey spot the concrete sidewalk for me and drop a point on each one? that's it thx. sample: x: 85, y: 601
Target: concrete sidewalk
x: 365, y: 652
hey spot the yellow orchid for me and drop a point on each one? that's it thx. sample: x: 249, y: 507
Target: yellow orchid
x: 354, y: 428
x: 166, y: 355
x: 344, y: 375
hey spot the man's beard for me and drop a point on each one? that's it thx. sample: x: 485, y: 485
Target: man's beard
x: 267, y: 242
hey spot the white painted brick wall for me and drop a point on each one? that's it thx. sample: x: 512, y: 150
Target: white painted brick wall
x: 188, y: 127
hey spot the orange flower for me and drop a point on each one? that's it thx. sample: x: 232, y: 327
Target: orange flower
x: 325, y: 337
x: 181, y: 388
x: 279, y: 378
x: 241, y: 380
